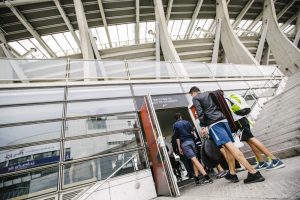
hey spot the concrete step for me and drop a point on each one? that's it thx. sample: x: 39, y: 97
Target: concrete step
x: 276, y: 124
x: 283, y: 110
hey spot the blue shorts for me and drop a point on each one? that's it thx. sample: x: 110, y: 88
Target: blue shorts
x: 188, y: 148
x: 221, y: 133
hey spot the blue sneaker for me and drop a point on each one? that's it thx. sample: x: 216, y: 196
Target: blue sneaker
x: 261, y: 166
x: 275, y: 164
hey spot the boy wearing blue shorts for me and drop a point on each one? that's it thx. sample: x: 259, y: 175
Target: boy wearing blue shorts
x: 214, y: 122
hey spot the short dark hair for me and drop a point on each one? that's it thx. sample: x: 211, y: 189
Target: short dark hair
x: 177, y: 116
x: 194, y: 89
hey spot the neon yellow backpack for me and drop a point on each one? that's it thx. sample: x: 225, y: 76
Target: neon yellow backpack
x: 238, y: 104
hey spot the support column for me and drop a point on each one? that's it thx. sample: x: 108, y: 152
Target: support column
x: 234, y: 49
x: 168, y: 49
x: 86, y: 46
x: 215, y: 54
x: 262, y: 41
x: 285, y: 52
x: 137, y: 22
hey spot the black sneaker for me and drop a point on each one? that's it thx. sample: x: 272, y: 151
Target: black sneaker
x: 197, y: 180
x: 232, y: 178
x: 253, y: 178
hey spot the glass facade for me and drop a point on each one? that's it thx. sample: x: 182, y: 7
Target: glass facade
x: 71, y: 121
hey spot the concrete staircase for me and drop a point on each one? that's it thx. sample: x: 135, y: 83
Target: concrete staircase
x: 278, y: 124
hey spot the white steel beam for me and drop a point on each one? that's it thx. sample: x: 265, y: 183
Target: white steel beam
x: 157, y: 42
x: 280, y: 14
x: 285, y: 52
x: 86, y: 47
x: 30, y: 28
x: 262, y: 41
x: 67, y: 21
x: 94, y: 45
x: 234, y: 49
x: 137, y: 21
x: 104, y: 22
x: 239, y: 18
x: 169, y: 10
x: 89, y: 68
x: 194, y: 17
x: 215, y: 54
x: 167, y: 46
x: 289, y: 21
x: 286, y: 7
x: 22, y: 2
x: 297, y: 29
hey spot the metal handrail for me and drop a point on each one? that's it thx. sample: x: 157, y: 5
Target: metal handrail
x: 92, y: 189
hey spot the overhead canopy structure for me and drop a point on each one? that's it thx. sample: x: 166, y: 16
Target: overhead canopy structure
x: 117, y: 23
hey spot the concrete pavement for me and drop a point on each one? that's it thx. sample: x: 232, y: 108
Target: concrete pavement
x: 281, y: 183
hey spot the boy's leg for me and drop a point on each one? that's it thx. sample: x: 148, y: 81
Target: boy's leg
x: 256, y: 151
x: 230, y: 160
x: 197, y: 166
x: 239, y: 156
x: 260, y: 146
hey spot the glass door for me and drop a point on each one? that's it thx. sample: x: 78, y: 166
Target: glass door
x: 165, y: 181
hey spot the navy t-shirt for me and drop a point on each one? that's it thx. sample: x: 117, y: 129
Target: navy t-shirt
x: 182, y: 129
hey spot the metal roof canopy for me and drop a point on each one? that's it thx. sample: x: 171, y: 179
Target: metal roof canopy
x: 45, y: 18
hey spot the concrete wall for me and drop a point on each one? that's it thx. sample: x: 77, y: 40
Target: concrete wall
x: 278, y: 125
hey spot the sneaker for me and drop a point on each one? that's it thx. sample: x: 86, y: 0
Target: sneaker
x: 197, y: 180
x: 275, y: 164
x: 253, y: 178
x: 221, y: 174
x: 204, y: 181
x: 261, y: 166
x: 232, y: 178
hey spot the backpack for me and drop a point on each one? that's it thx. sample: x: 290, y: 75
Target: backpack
x: 238, y: 104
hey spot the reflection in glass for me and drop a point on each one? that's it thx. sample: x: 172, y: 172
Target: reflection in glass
x: 101, y: 168
x: 8, y: 97
x: 98, y: 92
x: 100, y: 107
x: 101, y: 123
x: 153, y: 89
x: 150, y: 69
x: 103, y: 144
x: 30, y: 157
x: 37, y: 112
x: 28, y: 183
x: 29, y: 133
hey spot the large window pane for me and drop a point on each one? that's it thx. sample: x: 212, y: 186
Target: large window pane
x: 33, y: 183
x: 29, y: 157
x: 233, y: 85
x: 105, y: 143
x: 29, y: 133
x: 101, y: 69
x: 99, y: 92
x: 146, y: 89
x: 101, y: 168
x: 203, y: 86
x: 224, y: 70
x: 101, y: 123
x: 197, y: 69
x: 150, y: 69
x: 249, y: 70
x: 30, y: 113
x: 8, y: 97
x: 100, y: 107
